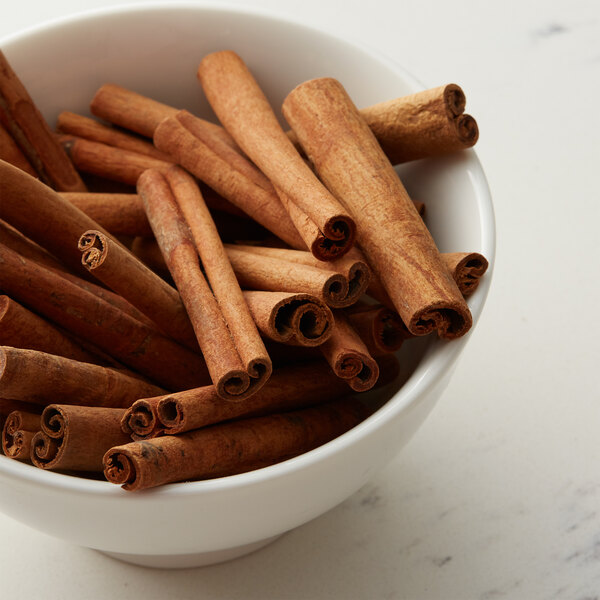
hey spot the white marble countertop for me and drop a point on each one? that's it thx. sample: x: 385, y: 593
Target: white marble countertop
x: 498, y: 494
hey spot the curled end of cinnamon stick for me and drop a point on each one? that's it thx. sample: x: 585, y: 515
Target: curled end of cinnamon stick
x: 140, y: 421
x: 17, y: 435
x: 44, y: 450
x: 93, y: 245
x: 300, y: 319
x: 454, y: 100
x: 360, y: 370
x: 237, y: 385
x: 451, y: 320
x: 467, y: 269
x: 119, y: 468
x: 170, y: 412
x: 336, y: 239
x: 467, y: 130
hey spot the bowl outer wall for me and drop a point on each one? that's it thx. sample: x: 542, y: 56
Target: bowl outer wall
x: 135, y: 47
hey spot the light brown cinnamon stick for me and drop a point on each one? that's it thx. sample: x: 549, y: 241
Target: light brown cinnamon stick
x: 298, y: 319
x: 238, y: 364
x: 192, y: 144
x: 229, y: 448
x: 92, y: 319
x: 120, y: 270
x: 35, y: 138
x: 17, y: 433
x: 20, y: 328
x: 245, y: 112
x: 120, y: 214
x: 348, y: 355
x: 272, y: 274
x: 390, y: 232
x: 424, y: 124
x: 467, y: 268
x: 11, y: 153
x: 108, y: 161
x: 75, y: 438
x: 33, y: 376
x: 83, y: 127
x: 352, y: 266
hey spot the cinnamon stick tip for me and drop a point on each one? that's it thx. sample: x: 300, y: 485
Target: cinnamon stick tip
x: 119, y: 468
x: 93, y: 244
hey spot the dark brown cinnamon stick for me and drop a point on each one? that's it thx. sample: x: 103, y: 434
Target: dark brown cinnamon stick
x: 11, y: 153
x: 120, y: 270
x: 229, y: 448
x: 43, y: 215
x: 92, y: 319
x: 390, y: 232
x: 35, y: 138
x: 33, y: 376
x: 20, y: 328
x: 75, y: 438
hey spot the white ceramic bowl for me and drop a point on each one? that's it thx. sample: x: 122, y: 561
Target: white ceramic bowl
x: 156, y: 50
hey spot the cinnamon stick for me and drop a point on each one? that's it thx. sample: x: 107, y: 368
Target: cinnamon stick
x: 92, y: 319
x: 21, y: 328
x: 392, y: 235
x: 348, y: 355
x: 353, y: 267
x: 35, y: 138
x: 298, y: 319
x: 43, y: 215
x: 75, y: 438
x: 467, y: 268
x: 120, y: 214
x: 289, y: 388
x: 17, y: 433
x: 38, y: 377
x: 428, y: 123
x: 11, y: 153
x: 245, y: 112
x: 108, y: 161
x: 380, y: 328
x: 191, y: 143
x: 262, y: 272
x: 17, y: 242
x: 120, y: 270
x: 236, y: 358
x: 229, y: 448
x: 83, y: 127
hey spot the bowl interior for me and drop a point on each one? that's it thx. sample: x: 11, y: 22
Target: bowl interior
x: 156, y: 50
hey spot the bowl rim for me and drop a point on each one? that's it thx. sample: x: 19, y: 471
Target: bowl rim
x: 440, y: 357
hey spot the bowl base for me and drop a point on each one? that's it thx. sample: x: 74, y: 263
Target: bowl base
x: 188, y: 561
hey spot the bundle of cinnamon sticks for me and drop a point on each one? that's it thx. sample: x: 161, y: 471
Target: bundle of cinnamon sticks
x: 221, y: 315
